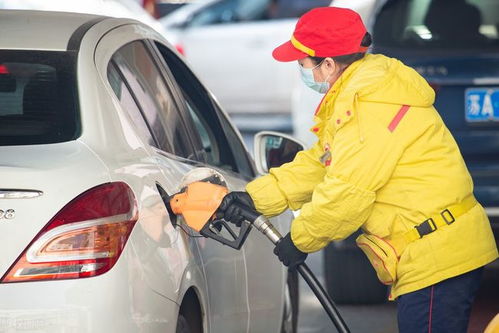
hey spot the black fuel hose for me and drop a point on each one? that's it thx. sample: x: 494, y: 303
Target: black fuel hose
x: 323, y: 297
x: 263, y: 224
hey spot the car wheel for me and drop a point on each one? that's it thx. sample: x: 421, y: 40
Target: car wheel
x: 291, y: 301
x: 182, y: 325
x: 350, y: 278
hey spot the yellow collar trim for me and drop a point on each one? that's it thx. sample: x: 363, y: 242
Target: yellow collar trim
x: 302, y: 47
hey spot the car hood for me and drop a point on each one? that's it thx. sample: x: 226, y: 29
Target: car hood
x: 59, y: 171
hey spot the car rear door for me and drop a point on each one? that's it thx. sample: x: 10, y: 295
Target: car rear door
x: 223, y: 150
x: 133, y: 70
x: 224, y: 268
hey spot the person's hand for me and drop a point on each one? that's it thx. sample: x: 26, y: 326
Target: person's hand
x: 230, y: 209
x: 288, y: 253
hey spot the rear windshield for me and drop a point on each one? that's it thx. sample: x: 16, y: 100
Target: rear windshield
x: 37, y: 98
x: 438, y: 24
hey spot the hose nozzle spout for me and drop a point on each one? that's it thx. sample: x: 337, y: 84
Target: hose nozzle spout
x: 263, y: 224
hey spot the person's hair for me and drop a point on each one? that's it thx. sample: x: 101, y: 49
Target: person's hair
x: 348, y: 59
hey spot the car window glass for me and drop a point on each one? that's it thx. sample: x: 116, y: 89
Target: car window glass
x: 128, y: 103
x: 154, y: 98
x: 244, y: 164
x: 208, y: 139
x: 427, y: 24
x: 37, y: 97
x: 220, y: 144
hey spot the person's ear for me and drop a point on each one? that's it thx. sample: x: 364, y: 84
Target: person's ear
x: 331, y: 65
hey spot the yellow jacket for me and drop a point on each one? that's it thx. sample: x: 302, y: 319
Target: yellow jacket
x: 384, y: 168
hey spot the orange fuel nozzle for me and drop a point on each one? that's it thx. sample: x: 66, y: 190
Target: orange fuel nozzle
x: 198, y: 203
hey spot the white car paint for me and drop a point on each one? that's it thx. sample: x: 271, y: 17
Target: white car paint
x: 238, y: 291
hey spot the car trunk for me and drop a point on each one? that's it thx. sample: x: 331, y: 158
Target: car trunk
x: 57, y: 172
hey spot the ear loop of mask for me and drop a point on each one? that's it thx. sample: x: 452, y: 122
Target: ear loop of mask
x: 308, y: 79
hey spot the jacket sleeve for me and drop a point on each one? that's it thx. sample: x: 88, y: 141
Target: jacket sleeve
x: 363, y: 159
x: 289, y: 185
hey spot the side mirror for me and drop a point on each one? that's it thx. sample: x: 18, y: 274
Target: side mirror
x: 273, y: 149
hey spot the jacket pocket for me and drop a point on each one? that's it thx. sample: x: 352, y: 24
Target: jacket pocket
x: 382, y: 256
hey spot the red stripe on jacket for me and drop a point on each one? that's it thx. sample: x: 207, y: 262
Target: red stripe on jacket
x: 398, y: 117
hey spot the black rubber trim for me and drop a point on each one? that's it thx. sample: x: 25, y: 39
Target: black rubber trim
x: 75, y: 39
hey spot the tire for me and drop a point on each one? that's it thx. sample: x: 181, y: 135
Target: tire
x: 350, y: 278
x: 182, y: 325
x: 291, y: 304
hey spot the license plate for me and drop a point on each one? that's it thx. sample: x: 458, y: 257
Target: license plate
x: 482, y: 104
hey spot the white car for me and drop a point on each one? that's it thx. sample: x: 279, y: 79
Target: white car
x: 229, y: 44
x: 99, y: 121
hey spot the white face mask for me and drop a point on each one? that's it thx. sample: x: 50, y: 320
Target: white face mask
x: 307, y: 75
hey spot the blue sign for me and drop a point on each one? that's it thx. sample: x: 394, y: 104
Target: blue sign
x: 482, y: 104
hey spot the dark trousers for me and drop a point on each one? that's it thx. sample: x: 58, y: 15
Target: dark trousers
x: 441, y: 308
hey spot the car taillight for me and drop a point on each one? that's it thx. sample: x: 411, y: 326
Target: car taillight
x: 84, y: 239
x: 4, y: 69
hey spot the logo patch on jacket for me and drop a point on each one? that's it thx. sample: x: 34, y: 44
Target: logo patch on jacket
x: 326, y: 157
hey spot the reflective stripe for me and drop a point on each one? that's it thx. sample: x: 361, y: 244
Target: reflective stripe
x: 302, y: 47
x: 398, y: 117
x: 431, y: 308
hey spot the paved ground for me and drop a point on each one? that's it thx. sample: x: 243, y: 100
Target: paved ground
x: 382, y: 318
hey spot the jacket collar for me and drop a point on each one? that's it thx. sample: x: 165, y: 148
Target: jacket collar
x: 322, y: 112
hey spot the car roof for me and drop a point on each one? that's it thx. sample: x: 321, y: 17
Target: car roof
x: 42, y: 30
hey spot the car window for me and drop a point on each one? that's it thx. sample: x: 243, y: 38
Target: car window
x: 38, y: 103
x: 210, y: 148
x: 220, y: 144
x: 154, y: 98
x: 438, y: 24
x: 128, y: 104
x: 230, y: 11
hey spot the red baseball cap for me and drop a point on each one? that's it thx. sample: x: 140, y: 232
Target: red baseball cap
x: 324, y: 32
